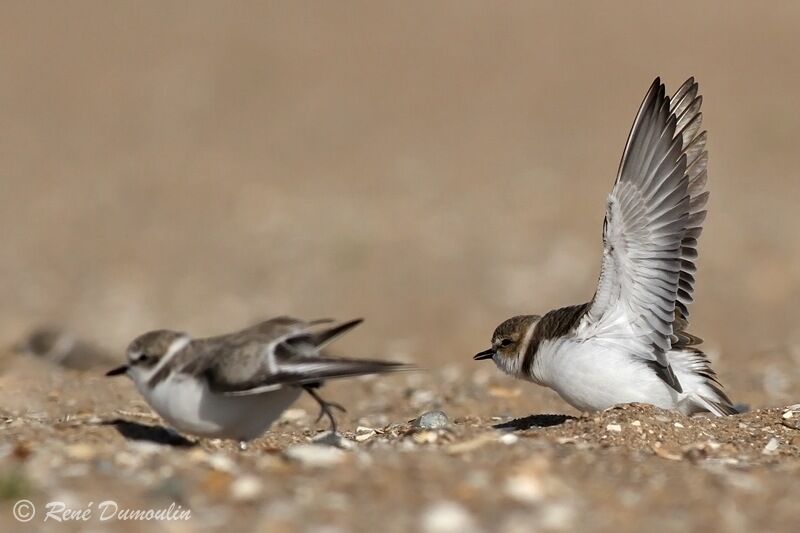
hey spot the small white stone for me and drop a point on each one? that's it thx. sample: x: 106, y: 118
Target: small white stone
x: 509, y: 438
x: 246, y: 489
x: 127, y: 460
x: 197, y: 455
x: 636, y: 423
x: 406, y: 445
x: 678, y: 425
x: 616, y: 428
x: 315, y: 455
x: 294, y: 414
x: 145, y: 447
x: 425, y: 437
x: 771, y: 446
x: 364, y: 433
x: 364, y: 437
x: 221, y: 462
x: 447, y: 517
x: 81, y: 452
x: 525, y: 489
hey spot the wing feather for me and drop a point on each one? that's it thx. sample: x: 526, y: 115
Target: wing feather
x: 654, y: 217
x: 278, y: 353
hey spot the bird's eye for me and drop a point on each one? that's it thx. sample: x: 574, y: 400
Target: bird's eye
x: 505, y: 343
x: 142, y: 358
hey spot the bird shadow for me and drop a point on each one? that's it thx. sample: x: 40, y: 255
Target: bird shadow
x: 157, y: 434
x: 533, y: 421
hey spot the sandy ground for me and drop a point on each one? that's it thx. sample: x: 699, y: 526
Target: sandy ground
x: 432, y: 168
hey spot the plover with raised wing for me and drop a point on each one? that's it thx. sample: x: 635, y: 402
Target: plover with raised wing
x: 630, y: 342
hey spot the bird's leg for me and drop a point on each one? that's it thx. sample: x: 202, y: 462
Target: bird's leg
x: 325, y: 407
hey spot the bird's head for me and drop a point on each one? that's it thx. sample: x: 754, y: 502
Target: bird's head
x: 509, y: 343
x: 148, y: 350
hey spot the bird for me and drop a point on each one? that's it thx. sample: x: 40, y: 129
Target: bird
x: 630, y: 343
x: 235, y: 386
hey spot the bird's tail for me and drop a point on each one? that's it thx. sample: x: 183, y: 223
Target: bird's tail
x: 701, y: 389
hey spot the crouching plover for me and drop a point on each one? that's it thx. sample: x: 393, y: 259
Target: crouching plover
x: 235, y: 386
x: 630, y: 344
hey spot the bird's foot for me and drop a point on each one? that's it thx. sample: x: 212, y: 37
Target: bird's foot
x: 325, y: 408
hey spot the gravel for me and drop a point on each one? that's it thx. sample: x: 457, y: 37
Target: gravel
x: 464, y: 475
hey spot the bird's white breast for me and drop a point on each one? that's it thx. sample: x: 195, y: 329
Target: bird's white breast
x: 187, y: 404
x: 593, y: 375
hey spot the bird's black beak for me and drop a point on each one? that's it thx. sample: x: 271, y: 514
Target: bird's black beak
x: 117, y: 371
x: 486, y: 354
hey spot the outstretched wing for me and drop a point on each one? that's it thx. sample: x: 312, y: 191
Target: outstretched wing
x: 685, y: 105
x: 275, y: 354
x: 651, y: 226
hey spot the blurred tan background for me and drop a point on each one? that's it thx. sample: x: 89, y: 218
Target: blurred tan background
x: 433, y: 167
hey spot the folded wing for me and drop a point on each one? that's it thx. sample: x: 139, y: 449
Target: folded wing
x: 289, y: 355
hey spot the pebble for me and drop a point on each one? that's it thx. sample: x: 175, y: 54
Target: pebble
x: 432, y: 420
x: 525, y: 489
x: 246, y: 489
x: 447, y: 517
x: 197, y: 455
x: 406, y: 445
x: 221, y: 462
x: 771, y: 447
x: 425, y: 437
x: 616, y: 428
x: 294, y: 414
x: 336, y: 440
x: 81, y: 452
x: 508, y: 438
x: 791, y: 411
x: 363, y: 433
x: 421, y: 397
x: 144, y: 447
x: 315, y: 455
x: 533, y: 481
x: 665, y: 452
x: 127, y: 460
